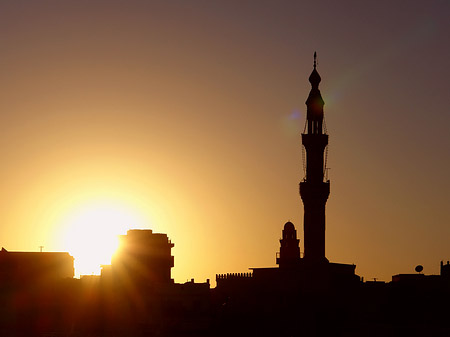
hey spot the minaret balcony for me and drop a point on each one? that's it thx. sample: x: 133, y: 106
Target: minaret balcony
x: 314, y: 191
x: 314, y: 140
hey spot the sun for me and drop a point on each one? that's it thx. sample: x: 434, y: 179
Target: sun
x: 90, y: 233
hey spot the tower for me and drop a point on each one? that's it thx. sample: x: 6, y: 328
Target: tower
x: 314, y: 190
x: 289, y: 249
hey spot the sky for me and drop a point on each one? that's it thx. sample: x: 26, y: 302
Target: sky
x: 185, y: 117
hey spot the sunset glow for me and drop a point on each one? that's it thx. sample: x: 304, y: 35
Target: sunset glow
x: 90, y: 233
x: 185, y: 117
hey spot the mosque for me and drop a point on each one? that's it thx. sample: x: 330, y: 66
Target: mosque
x: 313, y: 270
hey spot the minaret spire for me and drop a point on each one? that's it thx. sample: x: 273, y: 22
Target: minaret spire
x: 315, y: 102
x: 314, y: 191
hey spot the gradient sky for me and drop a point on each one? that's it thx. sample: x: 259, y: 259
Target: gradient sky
x: 185, y: 117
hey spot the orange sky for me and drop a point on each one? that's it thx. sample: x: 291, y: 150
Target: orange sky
x: 185, y: 117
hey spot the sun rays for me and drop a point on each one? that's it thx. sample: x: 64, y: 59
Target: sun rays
x: 90, y: 232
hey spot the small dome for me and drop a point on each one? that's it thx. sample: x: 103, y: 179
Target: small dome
x: 289, y: 226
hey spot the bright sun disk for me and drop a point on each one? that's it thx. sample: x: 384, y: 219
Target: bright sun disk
x: 91, y: 233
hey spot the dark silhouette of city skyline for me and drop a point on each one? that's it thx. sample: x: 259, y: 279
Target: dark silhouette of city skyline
x: 303, y: 296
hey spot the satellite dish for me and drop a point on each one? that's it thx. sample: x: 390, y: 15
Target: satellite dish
x: 419, y: 268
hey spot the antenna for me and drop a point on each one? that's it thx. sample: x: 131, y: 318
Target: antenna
x: 315, y: 59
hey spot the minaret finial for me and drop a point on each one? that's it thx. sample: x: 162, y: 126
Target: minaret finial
x: 314, y: 78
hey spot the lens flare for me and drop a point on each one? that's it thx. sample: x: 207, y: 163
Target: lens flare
x: 291, y: 123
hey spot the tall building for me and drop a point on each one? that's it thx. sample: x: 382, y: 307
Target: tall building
x: 143, y: 258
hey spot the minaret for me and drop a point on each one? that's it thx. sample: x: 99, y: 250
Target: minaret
x: 314, y: 190
x: 289, y: 249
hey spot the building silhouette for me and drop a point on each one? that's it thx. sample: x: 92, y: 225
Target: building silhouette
x: 17, y: 268
x: 35, y: 292
x: 289, y: 255
x: 143, y: 257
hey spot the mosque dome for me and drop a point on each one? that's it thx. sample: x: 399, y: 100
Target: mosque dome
x: 289, y: 226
